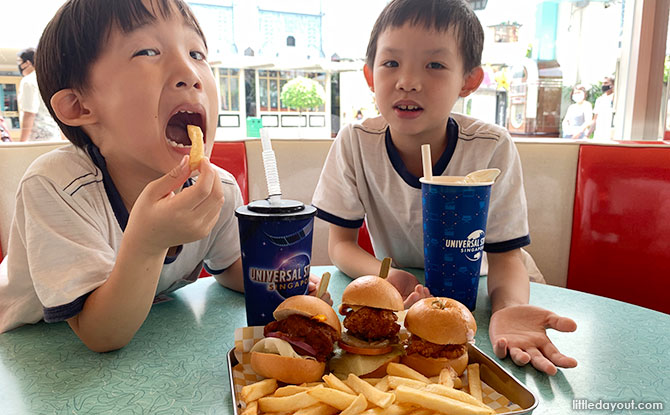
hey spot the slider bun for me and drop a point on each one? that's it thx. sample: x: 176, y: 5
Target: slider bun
x: 308, y: 306
x: 441, y: 320
x: 372, y: 291
x: 291, y: 370
x: 430, y: 367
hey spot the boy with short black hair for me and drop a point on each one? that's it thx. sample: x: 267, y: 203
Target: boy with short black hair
x: 422, y: 56
x: 108, y: 225
x: 101, y: 227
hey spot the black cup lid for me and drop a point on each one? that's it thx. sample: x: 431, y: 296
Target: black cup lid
x: 283, y: 206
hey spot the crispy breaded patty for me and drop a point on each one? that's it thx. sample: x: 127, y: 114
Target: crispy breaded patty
x: 318, y: 335
x: 428, y: 349
x: 371, y: 324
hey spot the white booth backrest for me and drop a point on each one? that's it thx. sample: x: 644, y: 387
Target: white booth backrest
x: 14, y: 160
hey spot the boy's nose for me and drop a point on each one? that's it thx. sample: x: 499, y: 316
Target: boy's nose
x: 408, y: 83
x: 185, y: 76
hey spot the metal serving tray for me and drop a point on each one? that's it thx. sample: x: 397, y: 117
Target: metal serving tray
x: 489, y: 371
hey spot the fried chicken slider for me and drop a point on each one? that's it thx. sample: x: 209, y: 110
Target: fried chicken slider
x: 370, y: 340
x: 440, y: 328
x: 298, y: 344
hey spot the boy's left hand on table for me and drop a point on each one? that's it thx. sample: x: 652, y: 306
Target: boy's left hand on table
x: 408, y: 286
x: 520, y: 330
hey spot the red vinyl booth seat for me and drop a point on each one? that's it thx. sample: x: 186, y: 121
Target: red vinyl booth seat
x: 620, y: 244
x: 232, y: 157
x: 364, y: 239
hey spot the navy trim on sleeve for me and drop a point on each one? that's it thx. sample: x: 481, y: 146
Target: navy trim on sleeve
x: 336, y: 220
x: 214, y: 271
x: 65, y: 311
x: 505, y: 246
x: 172, y: 258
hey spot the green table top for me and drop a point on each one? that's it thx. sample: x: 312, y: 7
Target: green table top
x: 176, y: 364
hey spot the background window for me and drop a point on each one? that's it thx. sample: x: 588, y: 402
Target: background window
x: 271, y: 82
x: 229, y: 80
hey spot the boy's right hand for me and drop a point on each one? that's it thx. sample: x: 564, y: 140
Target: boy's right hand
x: 162, y: 219
x: 408, y: 286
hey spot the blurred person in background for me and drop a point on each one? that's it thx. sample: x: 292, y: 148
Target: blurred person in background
x: 603, y: 112
x: 36, y: 122
x: 578, y: 117
x: 4, y: 131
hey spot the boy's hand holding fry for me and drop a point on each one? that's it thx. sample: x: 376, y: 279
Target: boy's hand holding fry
x: 166, y: 219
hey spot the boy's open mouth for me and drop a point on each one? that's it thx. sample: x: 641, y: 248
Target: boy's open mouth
x: 176, y: 128
x: 408, y: 107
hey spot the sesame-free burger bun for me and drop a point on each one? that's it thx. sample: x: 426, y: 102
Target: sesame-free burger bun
x: 308, y: 306
x: 441, y: 320
x: 291, y: 370
x: 372, y: 291
x: 429, y: 366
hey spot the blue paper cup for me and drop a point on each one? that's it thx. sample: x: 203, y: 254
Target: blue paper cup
x: 276, y: 245
x: 454, y: 229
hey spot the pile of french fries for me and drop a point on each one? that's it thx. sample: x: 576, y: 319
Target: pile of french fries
x: 403, y: 391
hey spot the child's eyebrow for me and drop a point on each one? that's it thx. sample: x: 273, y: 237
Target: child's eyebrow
x: 429, y: 52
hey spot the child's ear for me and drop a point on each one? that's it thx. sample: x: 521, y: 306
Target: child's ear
x: 367, y: 71
x: 472, y: 81
x: 70, y: 108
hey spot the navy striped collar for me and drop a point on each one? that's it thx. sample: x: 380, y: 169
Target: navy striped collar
x: 438, y: 168
x: 113, y: 195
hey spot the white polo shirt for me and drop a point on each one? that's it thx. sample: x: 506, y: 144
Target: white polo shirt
x: 67, y: 231
x: 30, y: 100
x: 364, y: 178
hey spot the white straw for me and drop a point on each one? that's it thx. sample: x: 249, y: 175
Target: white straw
x: 427, y: 163
x: 270, y: 165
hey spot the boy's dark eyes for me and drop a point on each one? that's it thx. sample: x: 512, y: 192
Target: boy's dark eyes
x: 197, y: 55
x: 435, y: 65
x: 390, y: 64
x: 147, y: 52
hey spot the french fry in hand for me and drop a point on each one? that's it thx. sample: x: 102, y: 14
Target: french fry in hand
x: 257, y: 390
x: 474, y: 383
x: 197, y: 146
x: 334, y: 382
x: 398, y: 369
x: 357, y: 406
x: 333, y: 397
x: 372, y: 394
x: 287, y: 403
x: 438, y: 403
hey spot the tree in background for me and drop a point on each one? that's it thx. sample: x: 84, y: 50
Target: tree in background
x: 302, y: 94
